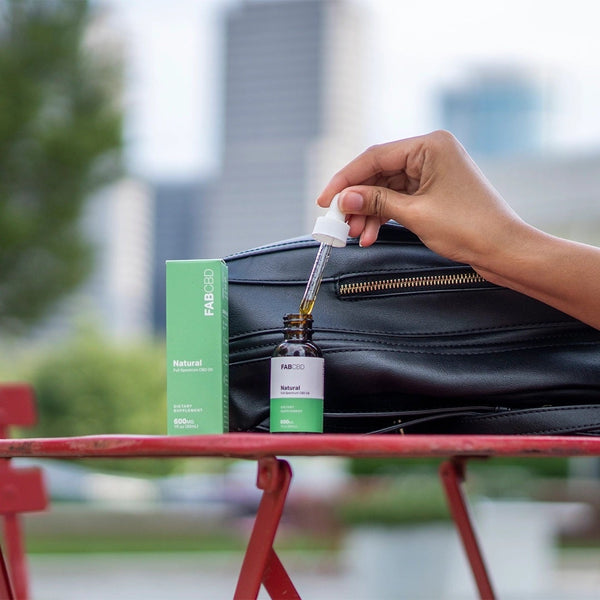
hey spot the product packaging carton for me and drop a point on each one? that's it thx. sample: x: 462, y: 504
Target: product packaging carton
x: 197, y: 347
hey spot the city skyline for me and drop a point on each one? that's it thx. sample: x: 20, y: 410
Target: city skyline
x: 166, y: 184
x: 175, y: 94
x: 289, y: 115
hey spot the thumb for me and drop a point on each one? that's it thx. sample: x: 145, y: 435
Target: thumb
x: 370, y: 200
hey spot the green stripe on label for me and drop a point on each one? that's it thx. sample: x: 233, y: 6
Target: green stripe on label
x: 297, y: 414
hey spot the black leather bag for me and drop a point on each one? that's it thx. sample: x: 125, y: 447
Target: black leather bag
x: 412, y: 342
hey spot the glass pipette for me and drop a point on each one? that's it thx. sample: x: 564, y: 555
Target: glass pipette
x: 314, y: 281
x: 331, y: 230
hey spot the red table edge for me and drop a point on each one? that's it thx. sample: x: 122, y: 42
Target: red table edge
x: 257, y: 445
x: 455, y: 449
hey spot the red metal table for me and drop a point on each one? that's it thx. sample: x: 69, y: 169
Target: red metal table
x: 261, y: 564
x: 22, y: 489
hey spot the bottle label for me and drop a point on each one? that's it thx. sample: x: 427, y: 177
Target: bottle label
x: 297, y: 394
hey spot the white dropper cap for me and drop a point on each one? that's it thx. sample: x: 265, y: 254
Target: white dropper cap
x: 332, y: 228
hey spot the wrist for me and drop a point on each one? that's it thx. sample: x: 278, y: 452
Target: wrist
x: 515, y: 257
x: 562, y: 273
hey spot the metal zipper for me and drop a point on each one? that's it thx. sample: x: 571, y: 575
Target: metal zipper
x: 429, y: 282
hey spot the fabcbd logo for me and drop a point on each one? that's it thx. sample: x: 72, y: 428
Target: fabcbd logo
x: 292, y: 366
x: 209, y: 293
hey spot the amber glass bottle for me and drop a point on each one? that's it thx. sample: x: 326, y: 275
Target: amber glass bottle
x: 297, y: 379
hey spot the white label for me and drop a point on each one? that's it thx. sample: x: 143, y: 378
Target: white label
x: 297, y: 377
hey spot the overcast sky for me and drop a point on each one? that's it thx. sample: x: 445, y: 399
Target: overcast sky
x: 174, y: 51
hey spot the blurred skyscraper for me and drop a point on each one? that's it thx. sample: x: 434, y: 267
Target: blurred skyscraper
x: 557, y: 193
x: 119, y: 222
x: 177, y: 213
x: 292, y: 114
x: 495, y: 112
x: 116, y: 298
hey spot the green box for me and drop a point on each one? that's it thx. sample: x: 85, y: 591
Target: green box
x: 197, y: 347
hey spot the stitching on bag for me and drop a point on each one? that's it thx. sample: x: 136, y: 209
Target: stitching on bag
x: 370, y: 297
x: 481, y: 418
x: 525, y: 411
x: 515, y: 326
x: 338, y: 278
x: 307, y: 242
x: 391, y: 346
x: 263, y: 283
x: 560, y: 429
x: 440, y: 267
x: 299, y: 243
x: 420, y: 350
x: 515, y: 345
x: 253, y: 331
x: 257, y: 347
x: 462, y: 353
x: 558, y: 337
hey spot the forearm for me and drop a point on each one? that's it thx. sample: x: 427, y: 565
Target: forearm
x: 559, y: 272
x: 431, y: 185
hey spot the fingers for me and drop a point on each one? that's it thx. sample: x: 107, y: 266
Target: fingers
x: 368, y: 200
x: 370, y: 231
x: 404, y: 158
x: 368, y: 207
x: 371, y: 163
x: 364, y: 227
x: 357, y: 224
x: 411, y: 181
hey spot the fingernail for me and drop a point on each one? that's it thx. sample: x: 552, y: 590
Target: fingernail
x: 352, y: 202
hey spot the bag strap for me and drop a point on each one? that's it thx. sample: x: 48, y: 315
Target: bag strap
x: 547, y: 420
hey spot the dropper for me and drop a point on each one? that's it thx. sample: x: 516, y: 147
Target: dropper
x: 331, y: 230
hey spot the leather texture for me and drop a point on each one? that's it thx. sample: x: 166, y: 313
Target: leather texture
x: 458, y: 358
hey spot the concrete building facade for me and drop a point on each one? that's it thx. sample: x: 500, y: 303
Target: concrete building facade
x: 292, y: 115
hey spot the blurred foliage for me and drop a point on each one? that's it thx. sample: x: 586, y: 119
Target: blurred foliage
x: 408, y: 490
x: 229, y: 539
x: 535, y: 467
x: 417, y: 496
x: 413, y: 499
x: 60, y: 136
x: 92, y: 386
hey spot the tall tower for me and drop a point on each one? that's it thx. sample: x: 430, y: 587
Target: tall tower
x: 119, y: 222
x: 495, y: 112
x: 177, y: 214
x: 292, y: 115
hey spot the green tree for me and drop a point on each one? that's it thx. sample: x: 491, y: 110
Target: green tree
x: 92, y: 386
x: 60, y: 136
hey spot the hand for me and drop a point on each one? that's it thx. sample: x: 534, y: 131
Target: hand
x: 430, y: 185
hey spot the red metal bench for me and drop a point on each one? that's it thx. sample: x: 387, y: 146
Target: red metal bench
x: 21, y: 490
x: 261, y: 564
